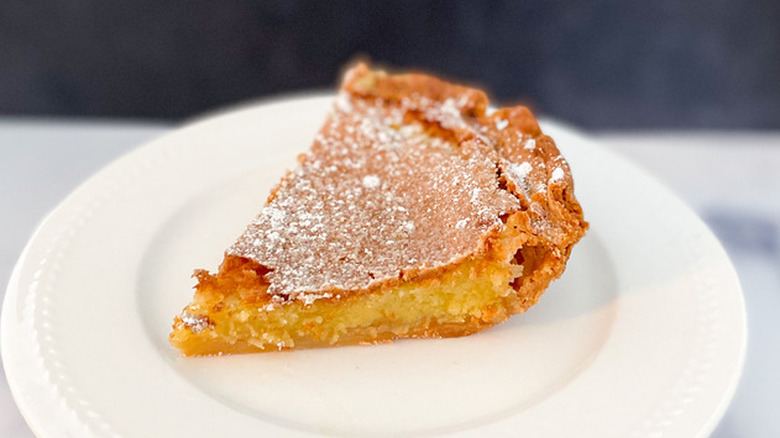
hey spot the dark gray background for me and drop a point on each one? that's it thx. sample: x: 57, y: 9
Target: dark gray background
x: 598, y: 64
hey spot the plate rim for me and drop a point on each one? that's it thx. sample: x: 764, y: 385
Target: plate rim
x: 14, y: 372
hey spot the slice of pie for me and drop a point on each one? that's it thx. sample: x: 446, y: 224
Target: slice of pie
x: 417, y: 213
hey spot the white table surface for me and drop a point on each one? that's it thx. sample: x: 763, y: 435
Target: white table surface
x: 731, y: 179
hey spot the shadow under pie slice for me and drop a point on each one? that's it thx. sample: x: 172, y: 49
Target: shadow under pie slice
x: 416, y: 213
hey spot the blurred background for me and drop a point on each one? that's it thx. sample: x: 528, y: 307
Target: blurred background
x: 597, y: 64
x: 690, y: 90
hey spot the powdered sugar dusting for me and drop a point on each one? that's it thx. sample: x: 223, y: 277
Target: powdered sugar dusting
x: 371, y: 181
x: 376, y: 196
x: 557, y: 174
x: 519, y: 174
x: 522, y: 170
x: 195, y: 323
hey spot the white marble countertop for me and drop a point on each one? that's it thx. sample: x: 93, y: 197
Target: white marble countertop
x: 731, y: 179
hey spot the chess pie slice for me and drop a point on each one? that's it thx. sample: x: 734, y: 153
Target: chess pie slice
x: 416, y: 213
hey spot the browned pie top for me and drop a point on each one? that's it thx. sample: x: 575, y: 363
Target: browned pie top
x: 408, y: 174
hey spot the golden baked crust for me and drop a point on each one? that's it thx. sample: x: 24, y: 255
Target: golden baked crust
x: 416, y: 213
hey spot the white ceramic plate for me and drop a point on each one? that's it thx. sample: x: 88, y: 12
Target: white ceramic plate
x: 643, y: 336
